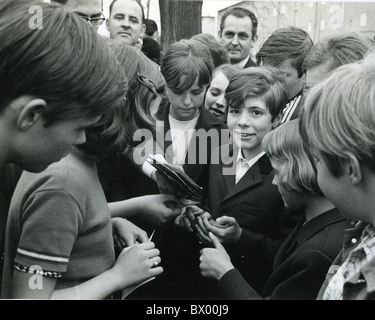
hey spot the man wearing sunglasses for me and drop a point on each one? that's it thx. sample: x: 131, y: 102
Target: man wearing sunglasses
x: 89, y: 10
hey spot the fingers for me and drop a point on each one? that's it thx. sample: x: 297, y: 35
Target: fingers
x: 215, y: 241
x: 142, y: 237
x: 226, y: 221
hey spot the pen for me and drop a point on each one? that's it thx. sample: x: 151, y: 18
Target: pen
x: 149, y: 239
x: 152, y: 234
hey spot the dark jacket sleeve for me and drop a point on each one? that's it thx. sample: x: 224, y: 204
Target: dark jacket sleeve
x: 307, y: 273
x: 232, y: 286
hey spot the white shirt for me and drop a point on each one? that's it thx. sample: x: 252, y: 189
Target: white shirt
x: 181, y: 134
x: 242, y: 63
x: 242, y: 165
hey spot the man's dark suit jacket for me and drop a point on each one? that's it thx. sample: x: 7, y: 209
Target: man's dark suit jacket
x: 250, y: 63
x: 258, y: 208
x: 301, y: 264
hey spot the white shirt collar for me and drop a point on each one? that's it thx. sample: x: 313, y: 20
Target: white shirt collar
x: 242, y: 63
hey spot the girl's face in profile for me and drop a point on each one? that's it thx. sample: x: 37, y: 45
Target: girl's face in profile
x: 186, y: 104
x: 215, y: 96
x: 292, y: 200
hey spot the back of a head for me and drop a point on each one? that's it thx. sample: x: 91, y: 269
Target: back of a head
x: 239, y: 12
x: 152, y: 50
x: 151, y: 27
x: 188, y: 59
x: 338, y: 49
x: 266, y: 83
x: 284, y: 145
x: 286, y: 43
x: 65, y: 63
x: 343, y: 122
x: 218, y: 53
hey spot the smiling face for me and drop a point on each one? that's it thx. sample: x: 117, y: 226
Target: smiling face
x: 236, y: 37
x: 186, y: 105
x: 126, y: 22
x: 215, y: 96
x: 249, y: 124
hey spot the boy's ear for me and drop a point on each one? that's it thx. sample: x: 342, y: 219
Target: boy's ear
x: 352, y: 169
x: 276, y: 121
x: 143, y: 31
x: 30, y: 113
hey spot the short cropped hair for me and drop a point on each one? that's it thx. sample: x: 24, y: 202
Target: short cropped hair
x: 339, y: 115
x: 285, y: 146
x: 151, y: 27
x: 286, y: 43
x: 266, y: 83
x: 187, y: 58
x: 218, y: 53
x: 139, y: 3
x: 65, y: 63
x: 338, y: 49
x: 240, y: 13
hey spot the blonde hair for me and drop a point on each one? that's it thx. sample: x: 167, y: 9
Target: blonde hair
x: 339, y: 116
x: 285, y: 145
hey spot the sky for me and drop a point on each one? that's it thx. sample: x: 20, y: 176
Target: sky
x: 210, y: 7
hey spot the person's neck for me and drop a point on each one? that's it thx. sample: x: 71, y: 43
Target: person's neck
x: 241, y: 63
x: 316, y: 205
x: 250, y: 154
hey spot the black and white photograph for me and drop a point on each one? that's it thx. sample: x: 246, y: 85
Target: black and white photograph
x: 179, y: 156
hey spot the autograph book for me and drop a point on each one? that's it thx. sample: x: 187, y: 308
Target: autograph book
x: 179, y: 183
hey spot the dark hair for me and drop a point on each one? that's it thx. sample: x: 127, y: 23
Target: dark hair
x: 152, y: 50
x: 187, y: 58
x: 241, y: 13
x: 266, y: 83
x: 286, y: 43
x: 151, y: 27
x: 65, y: 63
x: 338, y: 49
x: 218, y: 53
x: 139, y: 3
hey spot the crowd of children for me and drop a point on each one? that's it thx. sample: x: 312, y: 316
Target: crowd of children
x: 282, y: 146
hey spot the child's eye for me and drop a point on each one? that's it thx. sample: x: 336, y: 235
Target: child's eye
x: 215, y: 92
x: 256, y: 113
x: 233, y: 111
x: 197, y: 92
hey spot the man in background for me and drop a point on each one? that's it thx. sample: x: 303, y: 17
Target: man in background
x: 238, y: 34
x: 89, y: 10
x: 126, y: 21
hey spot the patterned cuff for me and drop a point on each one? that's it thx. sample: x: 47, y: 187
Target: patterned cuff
x: 37, y: 270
